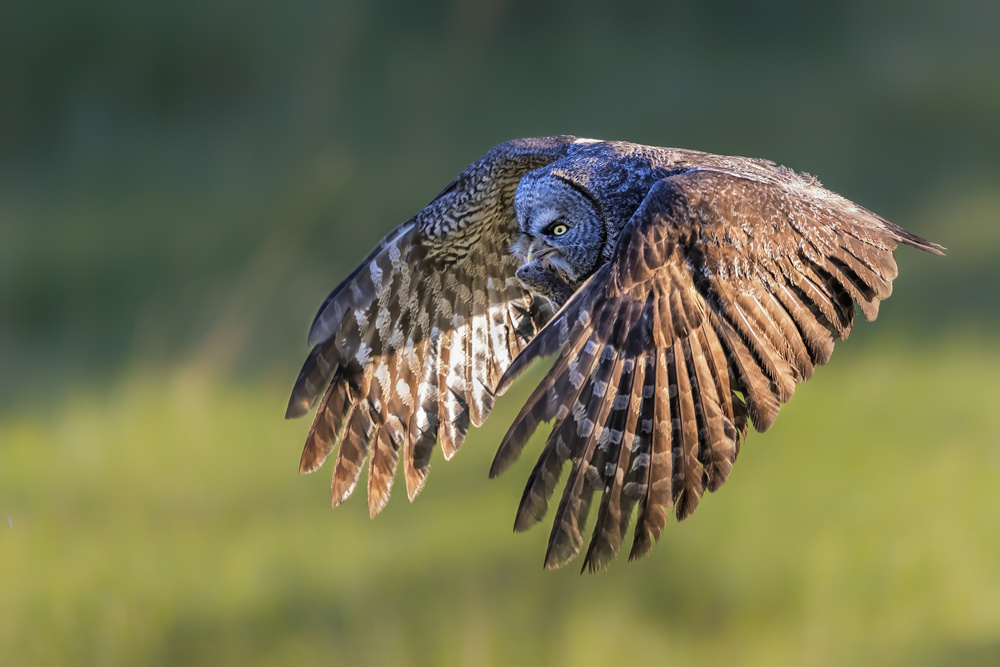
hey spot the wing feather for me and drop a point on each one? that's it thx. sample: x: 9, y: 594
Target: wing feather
x: 657, y: 500
x: 725, y: 289
x: 716, y: 433
x: 568, y: 397
x: 566, y: 537
x: 621, y: 433
x: 328, y: 424
x: 352, y: 452
x: 416, y: 337
x: 561, y: 386
x: 724, y: 292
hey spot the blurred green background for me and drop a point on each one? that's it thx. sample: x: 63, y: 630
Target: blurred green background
x: 181, y: 183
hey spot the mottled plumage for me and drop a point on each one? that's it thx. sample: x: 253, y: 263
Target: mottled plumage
x: 687, y: 294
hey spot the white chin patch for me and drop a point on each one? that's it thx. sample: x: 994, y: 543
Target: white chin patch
x: 520, y: 248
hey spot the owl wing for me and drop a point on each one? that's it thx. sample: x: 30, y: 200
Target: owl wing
x: 413, y: 342
x: 723, y: 293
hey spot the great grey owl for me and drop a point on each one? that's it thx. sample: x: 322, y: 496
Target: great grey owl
x: 686, y: 293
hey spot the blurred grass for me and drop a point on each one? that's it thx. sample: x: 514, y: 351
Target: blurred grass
x: 161, y: 522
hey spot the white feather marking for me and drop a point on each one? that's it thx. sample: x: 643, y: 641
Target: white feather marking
x: 382, y: 323
x: 412, y: 360
x: 382, y: 375
x: 403, y: 390
x: 349, y: 491
x: 363, y: 352
x: 640, y: 461
x: 361, y: 317
x: 396, y: 339
x: 457, y: 361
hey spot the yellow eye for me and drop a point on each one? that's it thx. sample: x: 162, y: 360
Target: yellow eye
x: 559, y: 230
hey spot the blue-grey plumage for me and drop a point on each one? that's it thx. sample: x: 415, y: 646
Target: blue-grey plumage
x: 686, y: 294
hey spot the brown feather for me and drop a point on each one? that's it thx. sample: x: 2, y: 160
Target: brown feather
x: 723, y: 291
x: 317, y: 372
x: 327, y: 426
x: 352, y: 452
x: 571, y: 394
x: 565, y: 539
x: 559, y: 388
x: 607, y: 535
x: 658, y: 499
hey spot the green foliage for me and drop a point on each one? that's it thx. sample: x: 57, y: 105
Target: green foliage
x: 162, y: 522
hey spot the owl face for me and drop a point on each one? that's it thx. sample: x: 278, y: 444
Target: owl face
x: 562, y: 231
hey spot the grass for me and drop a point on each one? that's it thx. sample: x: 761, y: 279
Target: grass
x: 162, y: 522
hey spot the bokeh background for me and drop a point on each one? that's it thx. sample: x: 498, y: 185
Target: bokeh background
x: 181, y: 183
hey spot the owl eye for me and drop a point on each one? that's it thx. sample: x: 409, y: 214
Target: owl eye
x: 559, y: 230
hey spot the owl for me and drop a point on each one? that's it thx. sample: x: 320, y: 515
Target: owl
x: 685, y: 295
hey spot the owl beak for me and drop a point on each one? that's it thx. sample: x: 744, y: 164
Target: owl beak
x: 539, y: 251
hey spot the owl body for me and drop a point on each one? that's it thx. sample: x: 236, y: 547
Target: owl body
x: 686, y: 295
x: 611, y: 180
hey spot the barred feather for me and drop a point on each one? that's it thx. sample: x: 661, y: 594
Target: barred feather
x: 327, y: 426
x: 722, y: 284
x: 732, y: 321
x: 411, y: 344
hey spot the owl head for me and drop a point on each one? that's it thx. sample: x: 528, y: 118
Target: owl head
x: 562, y: 228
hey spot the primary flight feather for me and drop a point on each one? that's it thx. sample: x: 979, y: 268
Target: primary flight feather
x: 686, y: 293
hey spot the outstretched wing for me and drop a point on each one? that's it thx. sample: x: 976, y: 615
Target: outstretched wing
x: 413, y: 342
x: 724, y: 292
